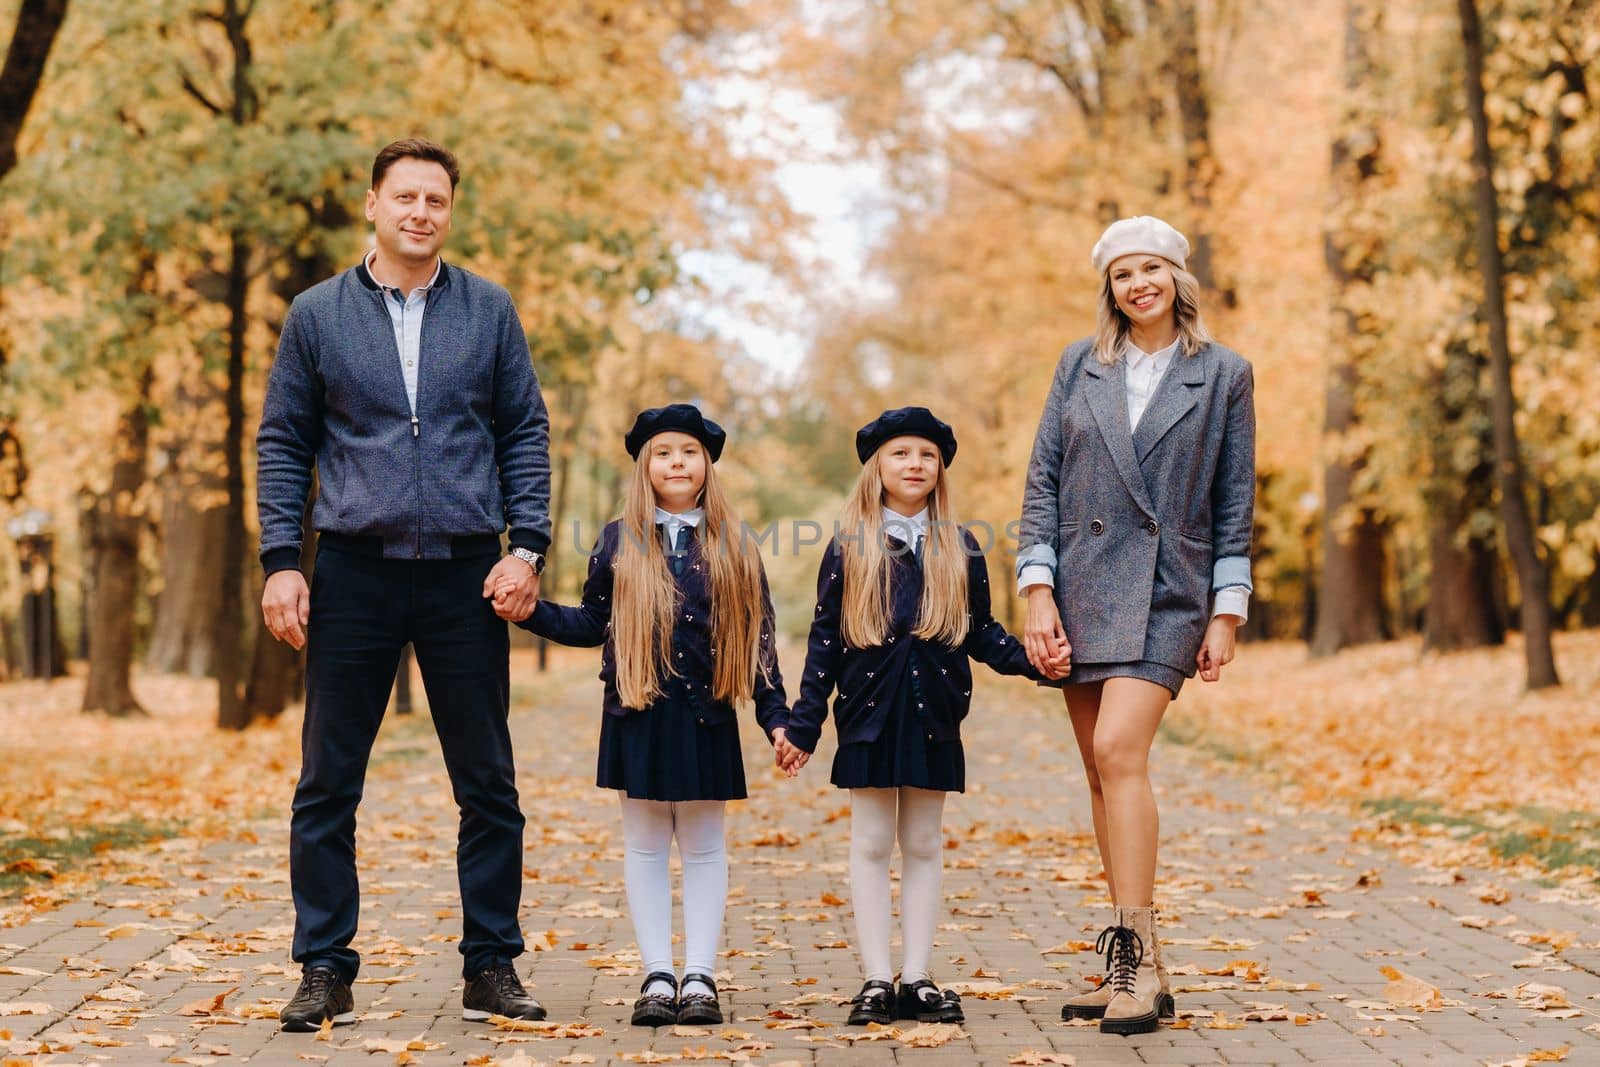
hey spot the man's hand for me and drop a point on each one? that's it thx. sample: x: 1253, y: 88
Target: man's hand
x: 1216, y: 651
x: 1043, y: 635
x: 514, y: 587
x: 286, y: 607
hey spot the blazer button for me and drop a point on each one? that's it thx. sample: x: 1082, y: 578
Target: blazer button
x: 1153, y: 527
x: 1097, y: 527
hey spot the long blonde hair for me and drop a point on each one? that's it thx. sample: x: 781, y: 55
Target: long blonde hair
x: 1112, y: 326
x: 942, y: 615
x: 645, y: 604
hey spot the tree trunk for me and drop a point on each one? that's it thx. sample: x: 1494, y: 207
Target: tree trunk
x: 1533, y: 578
x: 230, y: 609
x: 1200, y: 162
x: 184, y: 637
x: 1350, y: 608
x: 114, y: 549
x: 554, y: 571
x: 38, y: 22
x: 231, y: 713
x: 1462, y: 610
x: 277, y: 670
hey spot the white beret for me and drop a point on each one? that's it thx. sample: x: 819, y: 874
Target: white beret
x: 1142, y: 233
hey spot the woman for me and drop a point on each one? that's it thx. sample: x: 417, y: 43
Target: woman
x: 1136, y: 562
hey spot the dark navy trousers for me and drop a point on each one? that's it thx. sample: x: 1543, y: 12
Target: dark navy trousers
x: 363, y: 611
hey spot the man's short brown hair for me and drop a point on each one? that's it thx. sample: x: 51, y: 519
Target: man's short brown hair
x: 415, y: 148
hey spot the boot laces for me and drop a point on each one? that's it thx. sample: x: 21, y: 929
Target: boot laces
x: 316, y: 983
x: 506, y: 982
x: 1124, y: 952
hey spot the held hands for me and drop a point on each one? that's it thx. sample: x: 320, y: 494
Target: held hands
x: 1043, y: 636
x: 1216, y: 651
x: 789, y: 758
x: 286, y: 607
x: 514, y: 587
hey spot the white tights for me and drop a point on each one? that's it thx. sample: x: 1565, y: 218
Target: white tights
x: 874, y: 824
x: 648, y: 827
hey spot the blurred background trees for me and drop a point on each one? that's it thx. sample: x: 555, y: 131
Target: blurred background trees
x: 184, y: 168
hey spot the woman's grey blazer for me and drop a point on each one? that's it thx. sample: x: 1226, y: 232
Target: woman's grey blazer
x: 1142, y: 527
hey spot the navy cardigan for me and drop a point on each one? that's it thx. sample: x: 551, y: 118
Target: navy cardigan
x: 934, y: 677
x: 589, y: 624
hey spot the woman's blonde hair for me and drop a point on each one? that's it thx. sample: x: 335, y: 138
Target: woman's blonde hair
x: 1112, y: 326
x: 645, y: 603
x: 942, y: 615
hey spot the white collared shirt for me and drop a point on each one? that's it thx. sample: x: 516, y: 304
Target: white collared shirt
x: 1143, y: 372
x: 912, y: 530
x: 671, y: 522
x: 405, y: 313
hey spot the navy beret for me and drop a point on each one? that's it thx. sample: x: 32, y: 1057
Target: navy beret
x: 914, y: 422
x: 684, y: 418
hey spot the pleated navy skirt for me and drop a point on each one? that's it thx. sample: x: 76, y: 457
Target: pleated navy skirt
x: 902, y: 755
x: 666, y: 753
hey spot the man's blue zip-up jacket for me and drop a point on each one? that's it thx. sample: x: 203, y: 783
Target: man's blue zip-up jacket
x: 474, y: 459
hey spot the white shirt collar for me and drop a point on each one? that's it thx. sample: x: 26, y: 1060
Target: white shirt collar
x: 672, y: 520
x: 437, y: 263
x: 908, y: 529
x: 1137, y: 356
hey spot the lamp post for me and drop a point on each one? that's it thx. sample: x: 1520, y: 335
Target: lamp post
x: 36, y: 551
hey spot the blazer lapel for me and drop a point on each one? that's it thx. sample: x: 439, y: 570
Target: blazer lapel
x: 1108, y: 401
x: 1177, y: 393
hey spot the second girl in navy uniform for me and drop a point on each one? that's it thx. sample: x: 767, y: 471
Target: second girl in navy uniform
x: 902, y: 605
x: 679, y: 598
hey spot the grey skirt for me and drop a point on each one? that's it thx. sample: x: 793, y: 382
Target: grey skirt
x: 1159, y: 673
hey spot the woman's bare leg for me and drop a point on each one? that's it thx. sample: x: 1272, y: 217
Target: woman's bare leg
x: 1083, y: 707
x: 1125, y: 728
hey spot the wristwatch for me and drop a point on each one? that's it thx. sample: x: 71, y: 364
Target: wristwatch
x: 531, y: 558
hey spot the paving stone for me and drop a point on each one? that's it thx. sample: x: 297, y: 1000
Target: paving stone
x: 1237, y: 867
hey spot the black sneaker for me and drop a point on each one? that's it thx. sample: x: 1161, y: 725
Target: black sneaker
x: 927, y: 1003
x: 699, y: 1009
x: 656, y: 1009
x: 874, y: 1004
x: 321, y: 996
x: 498, y: 991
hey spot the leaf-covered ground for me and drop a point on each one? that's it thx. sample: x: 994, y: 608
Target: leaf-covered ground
x: 1449, y: 752
x: 1311, y: 911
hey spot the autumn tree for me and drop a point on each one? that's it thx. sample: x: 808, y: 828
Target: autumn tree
x: 32, y: 38
x: 1350, y: 597
x: 1532, y: 576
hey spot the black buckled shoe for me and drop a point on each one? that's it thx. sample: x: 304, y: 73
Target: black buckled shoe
x: 656, y: 1009
x: 699, y: 1009
x: 321, y: 996
x: 927, y: 1003
x: 874, y: 1004
x: 498, y: 991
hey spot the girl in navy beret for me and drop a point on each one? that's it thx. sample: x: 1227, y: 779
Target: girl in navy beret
x: 680, y: 601
x: 902, y: 605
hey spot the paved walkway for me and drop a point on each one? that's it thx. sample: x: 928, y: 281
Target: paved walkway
x: 1281, y: 926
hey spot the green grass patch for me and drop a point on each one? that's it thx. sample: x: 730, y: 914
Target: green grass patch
x: 26, y: 861
x: 1188, y: 732
x: 1553, y: 839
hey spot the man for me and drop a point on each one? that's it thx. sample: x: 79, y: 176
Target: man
x: 407, y: 383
